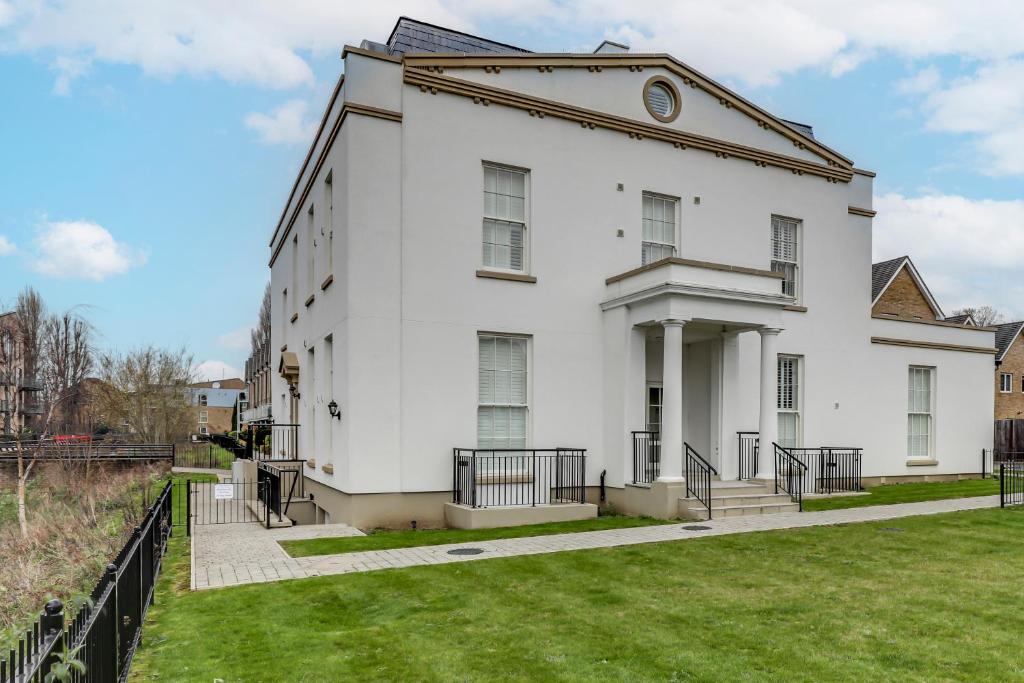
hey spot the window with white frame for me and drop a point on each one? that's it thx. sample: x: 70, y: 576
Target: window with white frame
x: 503, y: 403
x: 202, y: 399
x: 504, y: 221
x: 789, y: 401
x: 920, y: 392
x: 659, y: 228
x: 204, y: 417
x: 204, y: 430
x: 786, y: 253
x: 1006, y: 382
x: 654, y: 404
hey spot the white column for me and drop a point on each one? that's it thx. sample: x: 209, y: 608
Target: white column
x: 768, y: 421
x: 730, y: 393
x: 672, y: 403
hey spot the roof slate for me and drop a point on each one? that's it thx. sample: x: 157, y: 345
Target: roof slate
x: 959, y: 319
x: 1005, y: 334
x: 410, y: 36
x: 882, y: 273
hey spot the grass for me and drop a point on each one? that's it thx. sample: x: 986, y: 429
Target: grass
x: 383, y: 539
x: 917, y: 599
x: 889, y: 494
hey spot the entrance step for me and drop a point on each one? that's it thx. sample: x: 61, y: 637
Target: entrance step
x: 736, y: 499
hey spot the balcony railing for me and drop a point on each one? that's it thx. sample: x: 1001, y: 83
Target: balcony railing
x: 257, y: 414
x: 31, y: 408
x: 30, y: 384
x: 5, y: 406
x: 518, y: 477
x: 830, y: 469
x: 646, y: 457
x: 273, y: 442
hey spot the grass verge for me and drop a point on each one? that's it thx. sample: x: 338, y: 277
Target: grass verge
x: 383, y: 539
x: 890, y: 494
x: 923, y: 598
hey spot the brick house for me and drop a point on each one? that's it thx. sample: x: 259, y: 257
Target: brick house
x: 214, y: 405
x: 20, y: 390
x: 1009, y: 377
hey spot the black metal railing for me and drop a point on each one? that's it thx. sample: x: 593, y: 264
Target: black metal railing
x: 790, y: 475
x: 518, y: 477
x: 698, y: 473
x: 747, y: 452
x: 272, y: 442
x: 997, y: 456
x: 1011, y: 484
x: 830, y: 469
x: 204, y: 455
x: 279, y: 486
x: 29, y: 383
x: 106, y: 630
x: 646, y: 457
x: 225, y: 502
x: 88, y: 450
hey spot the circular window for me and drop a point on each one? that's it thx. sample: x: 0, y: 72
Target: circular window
x: 661, y: 99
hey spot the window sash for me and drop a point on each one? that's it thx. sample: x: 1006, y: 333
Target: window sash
x: 504, y: 218
x: 788, y: 383
x: 920, y: 383
x: 502, y: 404
x: 786, y: 252
x: 1006, y: 382
x: 658, y: 228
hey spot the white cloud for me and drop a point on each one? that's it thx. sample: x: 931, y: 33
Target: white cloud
x: 288, y: 124
x: 82, y: 249
x: 989, y: 106
x: 68, y: 69
x: 755, y: 42
x: 923, y: 81
x: 969, y: 251
x: 210, y: 370
x: 6, y: 246
x: 236, y: 340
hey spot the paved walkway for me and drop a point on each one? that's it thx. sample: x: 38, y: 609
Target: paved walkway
x: 250, y: 554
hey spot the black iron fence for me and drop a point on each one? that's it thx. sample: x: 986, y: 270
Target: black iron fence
x: 991, y: 459
x: 789, y: 475
x: 104, y: 633
x: 1011, y: 484
x: 518, y: 477
x: 698, y: 472
x: 279, y: 485
x: 646, y: 457
x: 829, y: 469
x: 747, y: 450
x: 204, y: 455
x: 272, y: 442
x: 88, y: 450
x: 225, y: 502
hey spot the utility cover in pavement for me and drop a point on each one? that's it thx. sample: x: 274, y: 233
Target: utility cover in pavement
x: 465, y: 551
x: 696, y: 527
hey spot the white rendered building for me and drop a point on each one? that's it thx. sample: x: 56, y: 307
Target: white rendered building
x: 488, y: 248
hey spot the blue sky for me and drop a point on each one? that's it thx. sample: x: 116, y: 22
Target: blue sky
x: 148, y: 148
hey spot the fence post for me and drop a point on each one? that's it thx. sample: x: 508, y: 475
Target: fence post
x: 1002, y: 492
x: 52, y: 625
x: 115, y: 613
x: 188, y: 507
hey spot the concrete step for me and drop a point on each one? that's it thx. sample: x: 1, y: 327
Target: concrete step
x: 733, y: 488
x: 749, y: 499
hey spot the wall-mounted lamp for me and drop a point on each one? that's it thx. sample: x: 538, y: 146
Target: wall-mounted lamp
x: 334, y: 410
x: 294, y: 391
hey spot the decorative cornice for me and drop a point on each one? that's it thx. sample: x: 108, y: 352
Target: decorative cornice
x: 486, y: 95
x: 346, y: 109
x: 857, y: 211
x: 938, y: 346
x: 675, y: 261
x: 634, y: 62
x: 295, y: 316
x: 865, y: 172
x: 363, y: 52
x: 703, y: 291
x: 310, y: 299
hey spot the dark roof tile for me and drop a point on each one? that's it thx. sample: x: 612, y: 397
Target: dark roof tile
x: 410, y: 36
x: 882, y: 273
x: 1005, y: 334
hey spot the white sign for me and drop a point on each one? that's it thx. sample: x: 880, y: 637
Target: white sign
x: 223, y: 491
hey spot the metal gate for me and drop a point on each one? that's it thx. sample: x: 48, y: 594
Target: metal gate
x: 224, y: 502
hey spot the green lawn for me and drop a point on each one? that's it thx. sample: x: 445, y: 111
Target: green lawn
x: 918, y: 599
x: 908, y: 493
x: 382, y: 539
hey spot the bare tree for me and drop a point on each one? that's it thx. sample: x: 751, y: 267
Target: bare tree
x: 67, y: 359
x: 260, y: 334
x: 982, y: 315
x: 147, y: 389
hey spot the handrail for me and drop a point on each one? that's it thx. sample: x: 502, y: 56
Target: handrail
x: 698, y: 473
x: 746, y: 453
x: 646, y: 456
x: 793, y: 483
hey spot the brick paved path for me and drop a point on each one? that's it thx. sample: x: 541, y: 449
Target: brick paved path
x: 231, y: 561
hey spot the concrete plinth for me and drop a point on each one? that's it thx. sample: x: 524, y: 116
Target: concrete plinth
x: 464, y: 517
x: 659, y: 500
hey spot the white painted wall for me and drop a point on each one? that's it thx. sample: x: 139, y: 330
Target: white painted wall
x: 406, y: 306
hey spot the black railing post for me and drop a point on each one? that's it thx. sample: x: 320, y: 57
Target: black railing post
x: 1002, y: 485
x: 188, y: 507
x: 583, y: 479
x: 533, y: 489
x: 52, y: 624
x: 472, y: 477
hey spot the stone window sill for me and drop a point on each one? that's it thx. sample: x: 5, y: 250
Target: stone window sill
x: 921, y: 462
x: 502, y: 275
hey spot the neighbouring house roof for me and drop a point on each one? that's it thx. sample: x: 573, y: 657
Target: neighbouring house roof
x: 228, y: 383
x: 884, y: 272
x: 215, y: 398
x: 962, y: 319
x: 803, y: 128
x: 1005, y: 336
x: 411, y: 36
